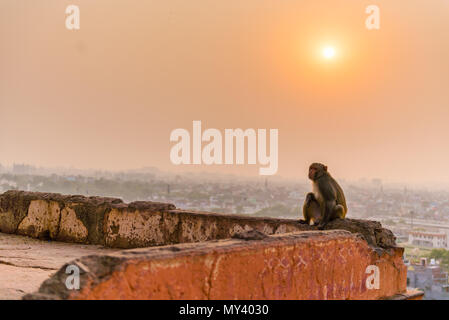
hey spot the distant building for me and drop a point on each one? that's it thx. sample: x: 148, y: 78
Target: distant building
x: 429, y: 278
x: 401, y: 234
x: 427, y: 239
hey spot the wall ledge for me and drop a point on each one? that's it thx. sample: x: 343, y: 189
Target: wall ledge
x: 113, y: 223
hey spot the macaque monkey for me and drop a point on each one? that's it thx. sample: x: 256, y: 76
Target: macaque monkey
x: 327, y: 193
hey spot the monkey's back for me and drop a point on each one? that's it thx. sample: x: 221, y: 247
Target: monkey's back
x: 329, y: 188
x: 341, y: 200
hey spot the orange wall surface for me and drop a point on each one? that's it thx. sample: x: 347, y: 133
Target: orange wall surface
x: 306, y: 265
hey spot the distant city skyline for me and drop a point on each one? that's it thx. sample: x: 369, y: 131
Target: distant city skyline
x: 367, y: 181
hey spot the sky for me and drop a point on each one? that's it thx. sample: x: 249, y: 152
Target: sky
x: 108, y: 95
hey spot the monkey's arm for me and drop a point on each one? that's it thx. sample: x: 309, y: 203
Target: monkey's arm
x: 327, y: 215
x: 329, y: 196
x: 327, y: 189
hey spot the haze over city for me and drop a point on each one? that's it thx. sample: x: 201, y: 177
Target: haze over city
x: 368, y: 103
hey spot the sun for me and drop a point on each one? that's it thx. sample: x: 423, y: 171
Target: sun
x: 329, y: 52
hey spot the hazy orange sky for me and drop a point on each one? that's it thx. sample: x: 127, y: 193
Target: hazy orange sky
x: 108, y: 96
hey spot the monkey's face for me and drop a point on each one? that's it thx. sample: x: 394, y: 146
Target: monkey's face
x: 315, y: 170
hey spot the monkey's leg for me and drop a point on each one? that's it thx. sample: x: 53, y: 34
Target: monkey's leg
x: 305, y: 213
x: 311, y: 195
x: 307, y: 208
x: 339, y: 212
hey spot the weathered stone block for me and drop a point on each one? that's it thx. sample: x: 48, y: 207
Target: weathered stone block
x: 306, y: 265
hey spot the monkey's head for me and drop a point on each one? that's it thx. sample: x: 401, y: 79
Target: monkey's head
x: 316, y: 170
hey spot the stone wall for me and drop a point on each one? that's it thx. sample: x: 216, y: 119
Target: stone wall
x: 202, y: 255
x: 305, y: 265
x: 113, y: 223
